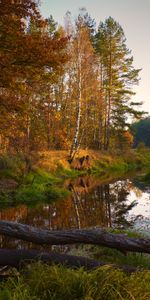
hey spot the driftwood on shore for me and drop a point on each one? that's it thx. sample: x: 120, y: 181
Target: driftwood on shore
x: 87, y: 236
x: 18, y: 258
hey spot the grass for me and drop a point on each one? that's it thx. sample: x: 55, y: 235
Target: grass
x: 43, y: 282
x: 101, y: 162
x: 36, y: 186
x: 40, y: 186
x: 44, y: 183
x: 129, y: 161
x: 114, y: 256
x: 69, y: 173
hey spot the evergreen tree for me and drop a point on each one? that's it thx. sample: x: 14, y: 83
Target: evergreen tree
x: 118, y: 76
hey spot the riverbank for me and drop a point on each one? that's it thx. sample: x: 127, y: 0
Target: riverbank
x: 99, y: 162
x: 40, y: 177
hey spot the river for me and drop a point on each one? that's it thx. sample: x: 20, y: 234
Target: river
x: 118, y: 203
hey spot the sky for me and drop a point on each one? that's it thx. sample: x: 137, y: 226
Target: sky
x: 132, y: 15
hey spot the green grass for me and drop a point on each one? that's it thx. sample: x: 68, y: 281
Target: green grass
x: 117, y: 166
x: 68, y: 173
x: 116, y: 257
x: 35, y: 186
x: 129, y: 161
x: 40, y: 185
x: 113, y: 256
x: 42, y: 282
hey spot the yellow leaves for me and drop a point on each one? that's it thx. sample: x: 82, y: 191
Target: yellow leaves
x: 57, y: 116
x: 129, y: 137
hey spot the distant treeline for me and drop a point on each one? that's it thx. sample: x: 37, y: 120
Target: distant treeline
x: 141, y: 132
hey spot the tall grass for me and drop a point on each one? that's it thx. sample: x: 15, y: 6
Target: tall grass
x: 42, y: 282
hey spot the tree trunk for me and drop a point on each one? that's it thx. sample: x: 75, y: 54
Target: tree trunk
x: 48, y: 127
x: 75, y: 143
x: 87, y: 236
x: 17, y: 258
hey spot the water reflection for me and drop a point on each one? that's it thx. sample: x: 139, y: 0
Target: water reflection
x: 91, y: 204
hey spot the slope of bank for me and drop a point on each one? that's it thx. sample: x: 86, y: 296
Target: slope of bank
x: 40, y: 176
x: 57, y: 161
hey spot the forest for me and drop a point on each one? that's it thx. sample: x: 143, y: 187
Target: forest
x: 64, y: 87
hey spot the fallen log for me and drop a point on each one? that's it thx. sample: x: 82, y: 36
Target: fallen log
x: 87, y: 236
x: 18, y: 258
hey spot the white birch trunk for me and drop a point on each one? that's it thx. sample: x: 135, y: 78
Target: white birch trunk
x: 75, y: 143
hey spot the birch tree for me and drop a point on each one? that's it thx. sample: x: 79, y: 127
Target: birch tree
x: 83, y: 61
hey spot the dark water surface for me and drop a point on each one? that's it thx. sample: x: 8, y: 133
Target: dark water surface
x: 120, y: 203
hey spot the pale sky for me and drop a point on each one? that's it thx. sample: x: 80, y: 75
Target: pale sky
x: 132, y: 15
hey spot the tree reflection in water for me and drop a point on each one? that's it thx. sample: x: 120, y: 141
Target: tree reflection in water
x: 91, y: 204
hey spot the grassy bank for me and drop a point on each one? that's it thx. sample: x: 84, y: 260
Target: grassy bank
x: 43, y: 181
x: 32, y: 188
x: 42, y: 282
x: 56, y: 161
x: 131, y: 160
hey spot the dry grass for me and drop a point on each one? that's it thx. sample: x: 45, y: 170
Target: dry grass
x: 52, y: 160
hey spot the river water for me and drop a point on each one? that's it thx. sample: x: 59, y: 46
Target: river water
x: 93, y: 202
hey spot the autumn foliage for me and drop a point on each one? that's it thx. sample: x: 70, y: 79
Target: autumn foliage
x: 59, y: 87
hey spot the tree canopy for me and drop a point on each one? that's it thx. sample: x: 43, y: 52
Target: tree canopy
x: 63, y: 87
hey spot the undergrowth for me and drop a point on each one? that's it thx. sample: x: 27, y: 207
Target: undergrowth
x: 43, y: 282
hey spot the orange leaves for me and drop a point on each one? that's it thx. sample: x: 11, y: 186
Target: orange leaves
x: 30, y: 58
x: 129, y: 137
x: 22, y: 53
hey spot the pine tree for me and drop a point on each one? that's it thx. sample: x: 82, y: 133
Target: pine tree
x: 119, y: 76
